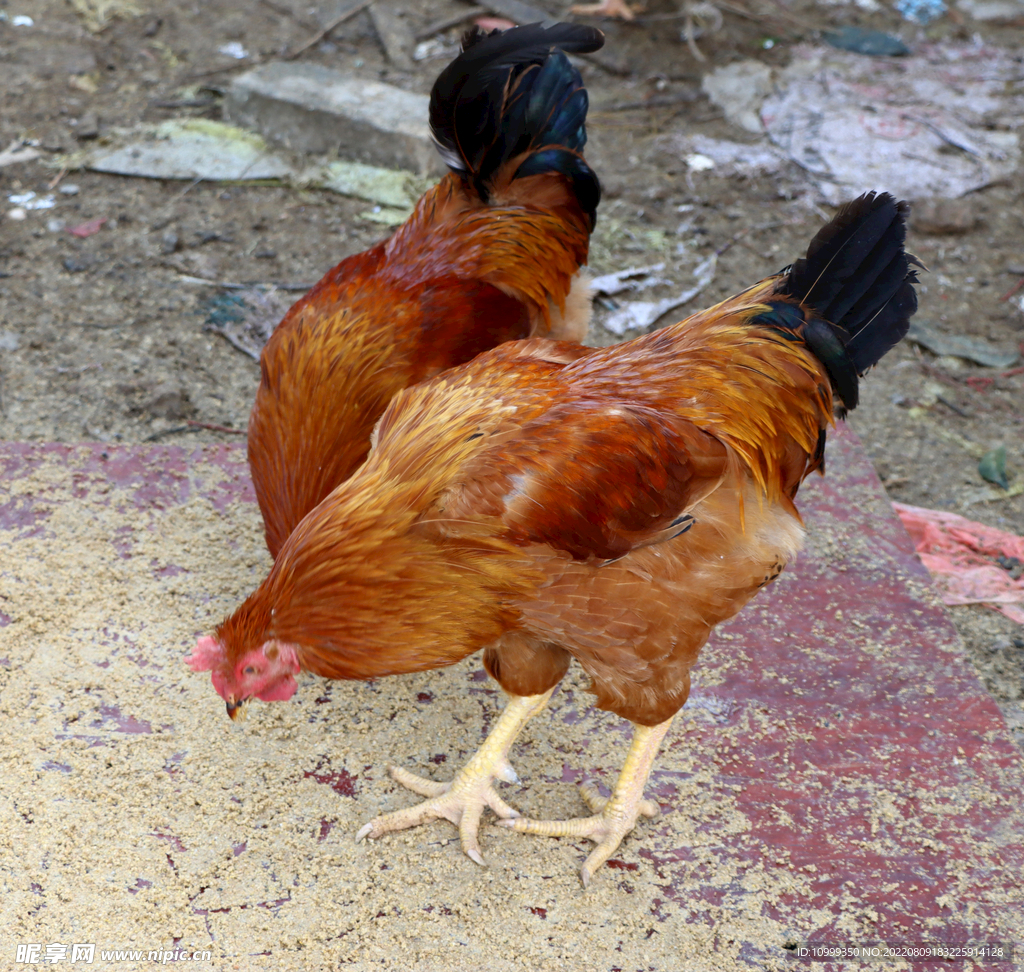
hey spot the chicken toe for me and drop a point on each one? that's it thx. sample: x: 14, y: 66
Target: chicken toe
x: 463, y: 799
x: 613, y: 817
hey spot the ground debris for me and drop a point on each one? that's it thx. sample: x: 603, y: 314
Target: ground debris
x: 960, y: 346
x: 924, y: 133
x: 199, y: 149
x: 246, y: 317
x: 310, y: 108
x: 965, y: 558
x: 640, y: 315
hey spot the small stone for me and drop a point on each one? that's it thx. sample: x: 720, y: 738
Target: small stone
x: 69, y: 189
x: 54, y: 140
x: 43, y: 337
x: 170, y: 402
x: 169, y: 243
x: 76, y: 264
x: 944, y: 217
x: 311, y: 108
x: 88, y: 126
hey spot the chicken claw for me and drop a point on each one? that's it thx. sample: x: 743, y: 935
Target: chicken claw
x: 462, y: 800
x: 614, y: 816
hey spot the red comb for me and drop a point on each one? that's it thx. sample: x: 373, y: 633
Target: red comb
x: 207, y: 653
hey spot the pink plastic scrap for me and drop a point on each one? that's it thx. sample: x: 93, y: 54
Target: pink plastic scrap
x: 961, y: 555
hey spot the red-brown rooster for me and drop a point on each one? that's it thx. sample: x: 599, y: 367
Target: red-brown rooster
x: 548, y: 501
x: 491, y: 254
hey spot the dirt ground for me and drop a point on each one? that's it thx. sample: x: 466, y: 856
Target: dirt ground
x: 102, y: 339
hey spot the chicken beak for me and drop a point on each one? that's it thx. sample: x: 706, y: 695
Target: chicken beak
x: 237, y: 710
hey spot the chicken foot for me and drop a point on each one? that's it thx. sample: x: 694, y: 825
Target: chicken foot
x: 462, y: 800
x: 613, y: 817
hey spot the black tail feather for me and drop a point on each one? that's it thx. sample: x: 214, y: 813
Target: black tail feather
x: 513, y: 92
x: 858, y: 279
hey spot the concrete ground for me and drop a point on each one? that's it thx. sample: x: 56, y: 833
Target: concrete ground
x: 839, y: 772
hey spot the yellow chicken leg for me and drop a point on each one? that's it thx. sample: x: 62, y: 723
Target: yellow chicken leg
x: 462, y: 801
x: 614, y: 817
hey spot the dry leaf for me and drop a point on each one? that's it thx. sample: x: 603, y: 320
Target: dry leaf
x: 97, y: 14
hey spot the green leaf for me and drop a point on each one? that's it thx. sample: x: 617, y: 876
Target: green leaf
x: 992, y: 467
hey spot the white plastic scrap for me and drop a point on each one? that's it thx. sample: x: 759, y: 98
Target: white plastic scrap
x: 29, y: 200
x: 640, y: 315
x: 615, y: 283
x: 701, y: 153
x: 435, y: 47
x: 738, y: 89
x: 699, y: 163
x: 234, y: 49
x: 856, y: 123
x: 922, y: 11
x: 17, y: 151
x: 22, y: 21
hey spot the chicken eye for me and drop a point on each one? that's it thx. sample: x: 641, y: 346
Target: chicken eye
x: 249, y: 670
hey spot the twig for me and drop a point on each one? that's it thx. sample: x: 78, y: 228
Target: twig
x: 655, y: 18
x: 440, y: 26
x: 655, y: 102
x: 195, y: 182
x: 688, y: 34
x: 290, y: 14
x: 950, y: 405
x: 1013, y: 290
x: 191, y: 426
x: 190, y: 103
x: 233, y: 341
x: 605, y: 63
x: 214, y: 428
x: 933, y: 372
x: 743, y: 232
x: 337, y: 22
x: 794, y: 24
x: 166, y: 432
x: 52, y: 184
x: 731, y: 243
x: 1012, y: 372
x: 394, y: 35
x: 238, y: 65
x: 231, y: 285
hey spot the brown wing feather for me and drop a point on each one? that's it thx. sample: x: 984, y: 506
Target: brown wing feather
x: 593, y: 478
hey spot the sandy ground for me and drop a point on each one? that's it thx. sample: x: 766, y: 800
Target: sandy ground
x: 135, y: 815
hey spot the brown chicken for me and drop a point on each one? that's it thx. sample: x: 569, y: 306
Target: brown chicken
x: 548, y: 501
x: 491, y: 254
